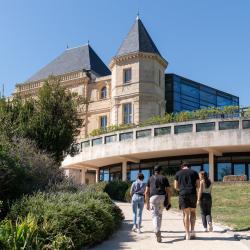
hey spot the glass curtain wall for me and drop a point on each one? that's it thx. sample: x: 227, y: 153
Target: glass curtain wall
x: 186, y: 95
x: 228, y: 164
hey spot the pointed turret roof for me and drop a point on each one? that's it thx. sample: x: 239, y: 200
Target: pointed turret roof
x: 73, y: 59
x: 137, y: 40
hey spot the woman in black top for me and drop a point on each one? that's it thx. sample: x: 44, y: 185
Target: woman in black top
x: 205, y: 201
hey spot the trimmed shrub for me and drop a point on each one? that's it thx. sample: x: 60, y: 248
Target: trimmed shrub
x: 116, y: 190
x: 85, y: 217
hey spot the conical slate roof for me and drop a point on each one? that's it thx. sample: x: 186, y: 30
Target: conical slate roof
x: 74, y: 59
x: 137, y: 40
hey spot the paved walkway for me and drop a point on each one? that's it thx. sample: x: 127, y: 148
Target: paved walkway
x: 173, y: 235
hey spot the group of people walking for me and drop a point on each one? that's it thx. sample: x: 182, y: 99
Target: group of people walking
x: 193, y: 189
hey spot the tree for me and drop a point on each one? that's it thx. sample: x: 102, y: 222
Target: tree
x: 51, y: 119
x: 55, y: 124
x: 15, y: 116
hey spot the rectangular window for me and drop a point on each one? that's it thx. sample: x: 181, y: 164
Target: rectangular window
x: 187, y: 89
x: 190, y: 102
x: 103, y: 121
x: 126, y: 136
x: 206, y: 168
x: 249, y: 172
x: 127, y: 75
x: 110, y: 138
x: 246, y: 124
x: 223, y: 169
x: 228, y: 125
x: 207, y: 97
x: 162, y: 131
x: 239, y: 169
x: 85, y: 144
x: 177, y: 87
x: 208, y: 126
x: 196, y: 168
x: 183, y: 129
x: 127, y: 113
x: 143, y: 133
x: 97, y: 141
x: 104, y: 175
x: 224, y: 101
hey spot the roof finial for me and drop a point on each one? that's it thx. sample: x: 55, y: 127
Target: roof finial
x: 88, y: 42
x: 67, y: 46
x: 138, y: 15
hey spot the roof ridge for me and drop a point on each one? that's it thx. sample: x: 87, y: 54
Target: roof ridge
x: 76, y: 47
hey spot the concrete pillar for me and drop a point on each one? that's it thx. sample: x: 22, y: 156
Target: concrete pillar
x: 97, y: 175
x: 83, y: 176
x: 211, y: 166
x: 124, y: 170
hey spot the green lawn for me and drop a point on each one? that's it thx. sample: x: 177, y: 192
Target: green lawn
x: 231, y: 205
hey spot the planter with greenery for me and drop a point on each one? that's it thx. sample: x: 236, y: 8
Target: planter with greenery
x: 200, y: 114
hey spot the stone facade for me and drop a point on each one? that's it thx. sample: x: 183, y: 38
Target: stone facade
x: 145, y: 91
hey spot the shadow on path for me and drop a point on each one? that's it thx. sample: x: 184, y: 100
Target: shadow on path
x: 119, y: 239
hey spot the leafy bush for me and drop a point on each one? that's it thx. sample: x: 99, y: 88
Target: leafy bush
x: 171, y: 179
x: 127, y: 195
x: 116, y: 190
x: 85, y: 217
x: 24, y: 234
x: 97, y: 187
x: 111, y: 128
x: 24, y: 169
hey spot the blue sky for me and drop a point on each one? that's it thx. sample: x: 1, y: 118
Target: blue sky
x: 206, y: 41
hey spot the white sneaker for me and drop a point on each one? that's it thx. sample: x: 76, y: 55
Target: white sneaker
x: 205, y: 229
x: 210, y: 227
x: 138, y: 230
x: 192, y: 235
x: 134, y: 228
x: 187, y: 236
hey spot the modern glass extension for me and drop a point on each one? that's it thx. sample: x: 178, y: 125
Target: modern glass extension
x: 183, y: 94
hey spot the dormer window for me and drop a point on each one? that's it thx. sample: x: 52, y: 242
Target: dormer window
x: 127, y: 75
x: 103, y: 93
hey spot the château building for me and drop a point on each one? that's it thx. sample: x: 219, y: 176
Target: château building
x: 131, y: 89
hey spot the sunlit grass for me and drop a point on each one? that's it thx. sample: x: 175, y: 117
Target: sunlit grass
x: 231, y: 205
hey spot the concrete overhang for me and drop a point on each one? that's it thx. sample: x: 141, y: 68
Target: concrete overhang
x: 216, y: 142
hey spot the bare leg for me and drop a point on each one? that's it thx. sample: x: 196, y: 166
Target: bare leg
x: 192, y: 218
x: 186, y: 220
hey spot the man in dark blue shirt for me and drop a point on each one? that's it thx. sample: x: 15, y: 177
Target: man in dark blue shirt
x: 187, y: 182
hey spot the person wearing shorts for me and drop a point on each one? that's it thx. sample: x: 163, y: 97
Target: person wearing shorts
x: 187, y: 182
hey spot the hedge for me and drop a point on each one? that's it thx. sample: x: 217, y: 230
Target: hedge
x: 84, y: 218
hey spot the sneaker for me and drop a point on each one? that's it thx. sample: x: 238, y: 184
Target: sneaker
x: 205, y: 229
x: 158, y: 236
x: 187, y: 236
x: 134, y: 228
x: 192, y: 235
x: 210, y: 227
x: 138, y: 230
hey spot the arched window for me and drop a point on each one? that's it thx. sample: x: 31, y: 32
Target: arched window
x: 103, y: 93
